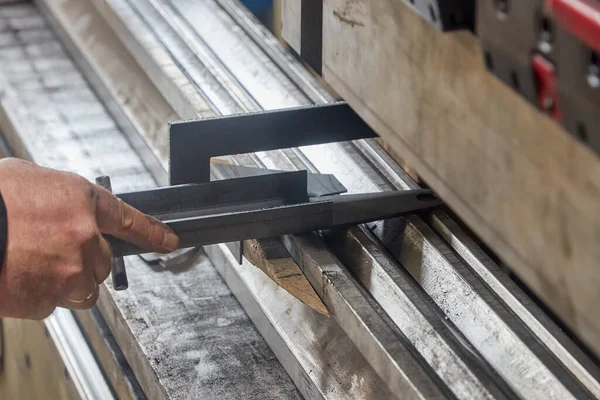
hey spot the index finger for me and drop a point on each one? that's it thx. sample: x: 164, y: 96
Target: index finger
x: 121, y: 220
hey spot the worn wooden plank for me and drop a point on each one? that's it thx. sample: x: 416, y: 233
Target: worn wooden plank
x: 271, y: 256
x: 33, y: 368
x: 290, y: 23
x: 527, y: 188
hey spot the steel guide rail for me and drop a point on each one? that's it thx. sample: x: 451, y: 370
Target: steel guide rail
x: 367, y: 153
x: 423, y: 373
x: 266, y: 156
x: 530, y: 314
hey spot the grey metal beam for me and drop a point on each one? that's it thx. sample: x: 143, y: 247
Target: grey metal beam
x: 382, y: 344
x: 442, y: 344
x: 324, y: 161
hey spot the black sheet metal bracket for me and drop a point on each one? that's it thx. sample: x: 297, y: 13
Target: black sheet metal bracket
x: 194, y: 143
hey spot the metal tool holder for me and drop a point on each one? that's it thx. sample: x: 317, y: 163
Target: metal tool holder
x: 578, y: 91
x: 447, y: 15
x: 194, y: 143
x: 510, y: 32
x: 247, y: 203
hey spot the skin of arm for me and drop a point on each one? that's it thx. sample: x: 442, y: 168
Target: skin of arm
x: 55, y: 254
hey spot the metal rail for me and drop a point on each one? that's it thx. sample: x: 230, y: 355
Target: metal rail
x: 76, y: 355
x: 519, y: 303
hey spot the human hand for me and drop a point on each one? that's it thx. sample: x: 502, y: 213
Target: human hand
x: 55, y: 253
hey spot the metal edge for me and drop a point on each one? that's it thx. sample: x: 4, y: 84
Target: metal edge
x: 76, y: 355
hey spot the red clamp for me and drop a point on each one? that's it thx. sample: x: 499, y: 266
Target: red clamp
x: 580, y: 17
x: 547, y: 93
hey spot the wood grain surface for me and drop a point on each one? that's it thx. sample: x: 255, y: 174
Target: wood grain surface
x: 527, y: 188
x: 33, y: 368
x: 271, y: 257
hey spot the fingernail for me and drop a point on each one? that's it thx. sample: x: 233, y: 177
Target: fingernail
x: 127, y: 215
x: 170, y: 241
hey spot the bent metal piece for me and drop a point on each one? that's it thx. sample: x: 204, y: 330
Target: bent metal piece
x: 224, y: 211
x: 317, y: 185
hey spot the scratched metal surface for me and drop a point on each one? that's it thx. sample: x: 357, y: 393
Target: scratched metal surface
x: 220, y: 27
x: 473, y: 308
x: 190, y: 328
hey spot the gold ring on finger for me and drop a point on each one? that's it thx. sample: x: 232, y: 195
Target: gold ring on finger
x: 87, y: 298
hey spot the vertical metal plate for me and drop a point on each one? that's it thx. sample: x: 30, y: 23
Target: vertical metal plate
x: 193, y: 143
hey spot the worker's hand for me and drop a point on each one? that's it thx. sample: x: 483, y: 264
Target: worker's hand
x: 56, y: 255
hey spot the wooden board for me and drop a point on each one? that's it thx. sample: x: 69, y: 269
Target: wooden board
x: 33, y: 368
x: 528, y: 189
x: 271, y: 256
x: 290, y: 23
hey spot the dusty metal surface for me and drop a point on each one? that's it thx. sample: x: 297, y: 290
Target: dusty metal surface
x: 191, y: 333
x: 235, y: 53
x: 272, y: 158
x: 109, y: 355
